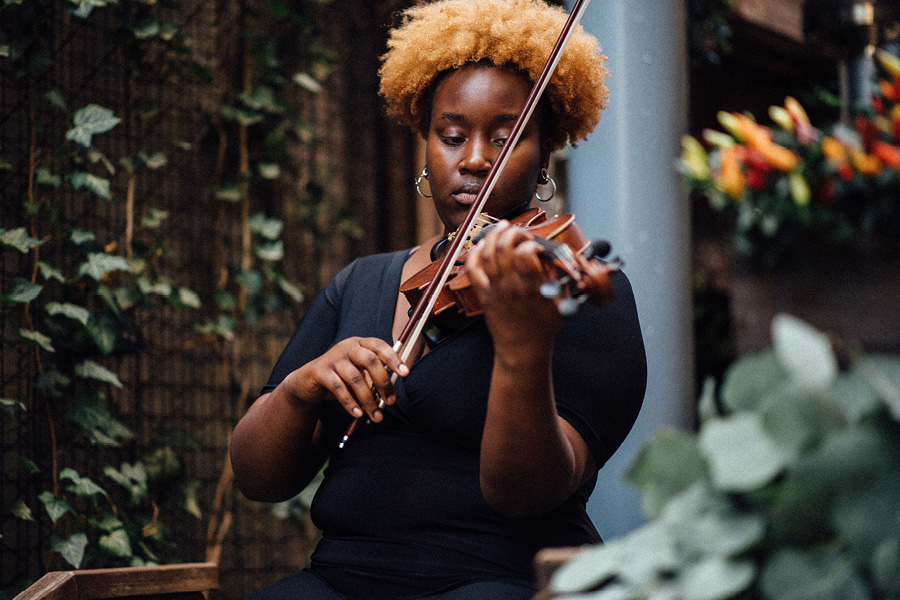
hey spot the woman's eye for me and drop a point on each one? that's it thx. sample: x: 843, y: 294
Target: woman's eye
x: 500, y: 142
x: 452, y: 140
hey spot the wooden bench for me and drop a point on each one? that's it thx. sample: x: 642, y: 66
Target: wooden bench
x: 165, y: 582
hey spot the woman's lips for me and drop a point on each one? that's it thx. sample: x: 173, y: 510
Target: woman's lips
x: 467, y: 193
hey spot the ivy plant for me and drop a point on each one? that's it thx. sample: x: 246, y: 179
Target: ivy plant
x: 787, y: 491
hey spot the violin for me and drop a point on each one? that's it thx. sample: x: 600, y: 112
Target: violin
x: 565, y: 250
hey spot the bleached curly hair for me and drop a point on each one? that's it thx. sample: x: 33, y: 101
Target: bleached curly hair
x: 448, y: 34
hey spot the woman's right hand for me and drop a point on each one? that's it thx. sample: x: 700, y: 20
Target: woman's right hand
x: 355, y: 371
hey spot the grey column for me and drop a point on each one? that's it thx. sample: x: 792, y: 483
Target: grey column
x: 623, y: 186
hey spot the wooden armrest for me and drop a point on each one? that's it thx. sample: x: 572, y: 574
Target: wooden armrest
x: 546, y: 562
x: 163, y: 581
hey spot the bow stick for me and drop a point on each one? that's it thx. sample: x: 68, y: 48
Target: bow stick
x: 413, y: 329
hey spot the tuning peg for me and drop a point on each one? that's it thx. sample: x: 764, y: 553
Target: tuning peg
x: 597, y: 249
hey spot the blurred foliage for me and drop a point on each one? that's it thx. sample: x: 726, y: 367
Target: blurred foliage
x: 787, y: 491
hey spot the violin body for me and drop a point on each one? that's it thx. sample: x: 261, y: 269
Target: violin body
x: 567, y: 251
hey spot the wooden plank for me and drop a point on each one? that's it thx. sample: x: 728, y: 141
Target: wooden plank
x: 782, y: 16
x: 146, y: 581
x: 58, y: 585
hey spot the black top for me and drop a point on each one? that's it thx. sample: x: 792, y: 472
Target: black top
x: 401, y: 508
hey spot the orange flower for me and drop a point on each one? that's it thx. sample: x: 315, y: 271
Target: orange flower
x: 731, y: 178
x: 888, y: 154
x: 833, y: 150
x: 759, y: 138
x: 867, y: 164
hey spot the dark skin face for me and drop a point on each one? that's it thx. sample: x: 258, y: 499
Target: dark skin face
x: 473, y: 113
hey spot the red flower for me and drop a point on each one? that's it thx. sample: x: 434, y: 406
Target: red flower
x: 826, y: 192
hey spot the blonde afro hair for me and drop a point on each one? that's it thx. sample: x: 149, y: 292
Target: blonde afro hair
x: 448, y: 34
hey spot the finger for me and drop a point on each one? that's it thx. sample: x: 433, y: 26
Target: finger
x: 334, y: 383
x: 362, y: 392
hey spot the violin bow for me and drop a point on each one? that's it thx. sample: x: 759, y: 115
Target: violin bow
x: 413, y: 329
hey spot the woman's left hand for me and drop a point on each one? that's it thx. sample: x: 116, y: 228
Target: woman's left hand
x: 506, y: 274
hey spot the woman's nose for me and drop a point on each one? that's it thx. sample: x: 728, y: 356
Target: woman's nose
x: 478, y: 157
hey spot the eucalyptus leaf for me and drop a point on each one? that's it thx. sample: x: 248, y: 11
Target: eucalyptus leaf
x: 18, y: 239
x: 71, y: 311
x: 812, y: 575
x: 98, y: 186
x: 885, y: 561
x: 99, y: 264
x: 716, y: 578
x: 117, y: 543
x: 742, y: 456
x: 860, y: 515
x: 91, y: 120
x: 89, y: 369
x: 804, y: 352
x: 37, y: 338
x: 666, y: 465
x: 72, y: 549
x: 21, y: 511
x: 21, y: 291
x: 749, y: 380
x: 55, y: 507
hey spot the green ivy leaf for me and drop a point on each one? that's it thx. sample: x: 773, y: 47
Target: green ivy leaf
x: 269, y: 228
x: 37, y: 338
x: 92, y: 370
x: 21, y: 511
x: 224, y: 327
x: 153, y: 161
x: 72, y: 311
x: 28, y: 465
x: 307, y: 82
x: 145, y: 28
x: 43, y: 176
x: 21, y: 291
x: 92, y: 119
x: 72, y: 549
x: 251, y: 280
x: 290, y: 290
x: 98, y: 186
x: 49, y: 272
x: 80, y: 236
x: 160, y: 288
x: 132, y: 478
x: 99, y: 264
x: 108, y: 523
x: 18, y: 239
x: 81, y: 486
x: 269, y: 170
x: 272, y: 252
x: 9, y: 406
x: 55, y: 507
x: 190, y: 503
x: 188, y: 298
x: 56, y: 99
x: 104, y: 330
x: 53, y: 382
x: 741, y: 454
x: 101, y: 427
x: 229, y: 193
x: 154, y: 219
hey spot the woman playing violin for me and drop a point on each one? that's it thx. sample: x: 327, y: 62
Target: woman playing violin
x: 486, y: 447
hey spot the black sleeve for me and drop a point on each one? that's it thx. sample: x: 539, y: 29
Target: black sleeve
x: 315, y: 334
x: 600, y: 371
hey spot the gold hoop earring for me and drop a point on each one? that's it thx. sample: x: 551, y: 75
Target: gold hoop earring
x: 422, y: 175
x: 545, y: 178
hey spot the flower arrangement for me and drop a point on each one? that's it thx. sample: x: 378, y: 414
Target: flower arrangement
x: 792, y: 182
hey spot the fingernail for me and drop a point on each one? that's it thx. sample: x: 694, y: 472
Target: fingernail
x: 403, y: 370
x: 357, y: 411
x: 377, y: 415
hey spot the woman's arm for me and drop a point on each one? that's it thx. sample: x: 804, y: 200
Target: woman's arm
x: 531, y: 459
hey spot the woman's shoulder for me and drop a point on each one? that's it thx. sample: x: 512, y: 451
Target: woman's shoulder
x: 369, y: 267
